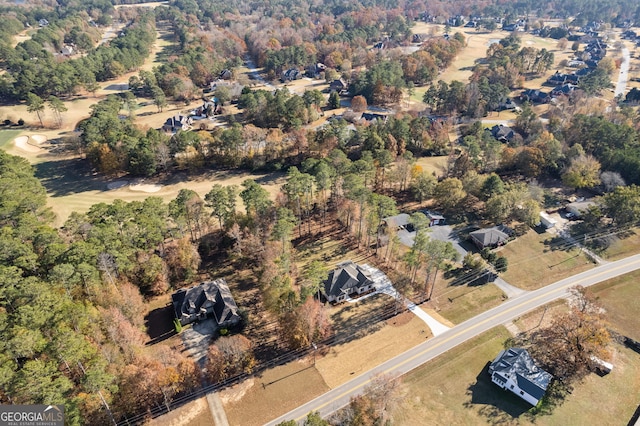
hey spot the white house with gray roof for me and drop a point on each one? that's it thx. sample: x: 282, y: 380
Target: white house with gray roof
x: 514, y: 370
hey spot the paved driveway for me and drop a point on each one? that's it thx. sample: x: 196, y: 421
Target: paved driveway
x: 446, y: 233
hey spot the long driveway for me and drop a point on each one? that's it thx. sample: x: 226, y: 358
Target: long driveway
x: 507, y: 311
x: 623, y: 76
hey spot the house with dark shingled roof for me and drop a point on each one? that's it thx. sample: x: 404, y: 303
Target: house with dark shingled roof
x: 347, y: 279
x: 210, y: 299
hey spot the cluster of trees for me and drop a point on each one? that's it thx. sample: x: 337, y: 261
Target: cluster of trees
x: 570, y: 346
x: 72, y: 310
x: 32, y: 68
x: 280, y: 108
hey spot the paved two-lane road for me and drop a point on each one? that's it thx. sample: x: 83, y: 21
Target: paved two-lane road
x: 407, y: 361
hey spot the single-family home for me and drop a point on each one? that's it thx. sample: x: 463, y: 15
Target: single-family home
x: 579, y: 207
x: 67, y: 50
x: 43, y: 22
x: 503, y: 133
x: 491, y: 237
x: 177, y: 122
x: 565, y: 89
x: 210, y: 299
x: 225, y: 74
x: 514, y: 370
x: 338, y: 85
x: 507, y: 105
x: 347, y: 279
x: 535, y: 96
x: 370, y: 116
x: 290, y: 75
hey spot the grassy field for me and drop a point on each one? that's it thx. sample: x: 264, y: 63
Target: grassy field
x: 534, y: 262
x: 458, y: 304
x: 456, y: 389
x: 7, y: 136
x: 433, y: 165
x: 621, y: 299
x: 623, y: 245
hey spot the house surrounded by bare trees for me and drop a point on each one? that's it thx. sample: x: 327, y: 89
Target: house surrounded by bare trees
x: 210, y: 299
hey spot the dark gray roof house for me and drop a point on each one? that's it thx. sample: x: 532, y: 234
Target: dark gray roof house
x: 502, y: 133
x: 491, y: 237
x: 338, y: 85
x: 348, y: 278
x: 514, y: 370
x: 210, y: 299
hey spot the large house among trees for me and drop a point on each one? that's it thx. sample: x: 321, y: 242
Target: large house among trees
x: 206, y: 300
x: 348, y: 278
x: 515, y: 370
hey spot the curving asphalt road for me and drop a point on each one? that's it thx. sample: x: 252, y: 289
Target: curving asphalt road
x: 623, y: 76
x: 509, y: 310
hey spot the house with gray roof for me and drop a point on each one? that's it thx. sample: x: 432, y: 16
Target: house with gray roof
x: 210, y: 299
x: 514, y: 370
x: 347, y: 279
x: 579, y: 207
x: 491, y: 237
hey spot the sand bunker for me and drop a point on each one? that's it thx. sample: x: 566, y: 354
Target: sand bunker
x: 117, y: 184
x: 145, y: 187
x: 38, y: 139
x: 22, y: 142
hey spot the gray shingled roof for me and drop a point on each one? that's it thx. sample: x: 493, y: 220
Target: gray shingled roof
x: 517, y: 364
x: 348, y: 275
x: 210, y: 294
x: 491, y: 236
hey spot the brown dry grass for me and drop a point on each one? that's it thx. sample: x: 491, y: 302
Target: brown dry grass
x: 195, y: 413
x: 458, y: 304
x: 455, y: 389
x: 623, y: 246
x: 346, y: 361
x: 621, y: 299
x: 533, y: 263
x: 433, y: 165
x: 272, y: 394
x: 542, y: 316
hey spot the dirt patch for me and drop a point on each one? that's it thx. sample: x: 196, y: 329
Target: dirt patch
x: 22, y: 142
x: 195, y: 413
x: 235, y: 393
x: 400, y: 320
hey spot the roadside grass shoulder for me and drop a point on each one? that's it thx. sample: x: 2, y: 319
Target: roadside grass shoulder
x: 623, y: 245
x: 536, y: 260
x: 620, y: 297
x: 458, y: 304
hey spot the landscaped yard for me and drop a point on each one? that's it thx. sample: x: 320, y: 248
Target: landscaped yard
x: 536, y: 260
x: 456, y: 389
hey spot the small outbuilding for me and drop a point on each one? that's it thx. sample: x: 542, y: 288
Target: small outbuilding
x: 547, y: 221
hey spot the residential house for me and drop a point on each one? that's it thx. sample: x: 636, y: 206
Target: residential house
x: 379, y: 45
x: 491, y: 237
x: 579, y: 207
x: 565, y: 89
x: 210, y: 299
x: 514, y: 370
x: 455, y: 21
x: 576, y: 63
x: 535, y: 96
x: 66, y: 50
x: 290, y: 75
x: 471, y: 24
x: 225, y: 75
x: 43, y: 22
x: 347, y: 279
x: 339, y: 86
x: 177, y: 122
x: 502, y: 133
x: 315, y: 70
x: 507, y: 105
x: 556, y: 79
x: 419, y: 38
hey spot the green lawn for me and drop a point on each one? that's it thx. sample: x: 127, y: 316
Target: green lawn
x: 7, y: 136
x: 536, y: 260
x: 455, y: 389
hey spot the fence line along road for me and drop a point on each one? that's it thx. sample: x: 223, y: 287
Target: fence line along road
x: 339, y: 397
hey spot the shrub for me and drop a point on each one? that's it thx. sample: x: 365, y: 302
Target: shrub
x: 224, y: 331
x: 176, y: 325
x: 21, y: 122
